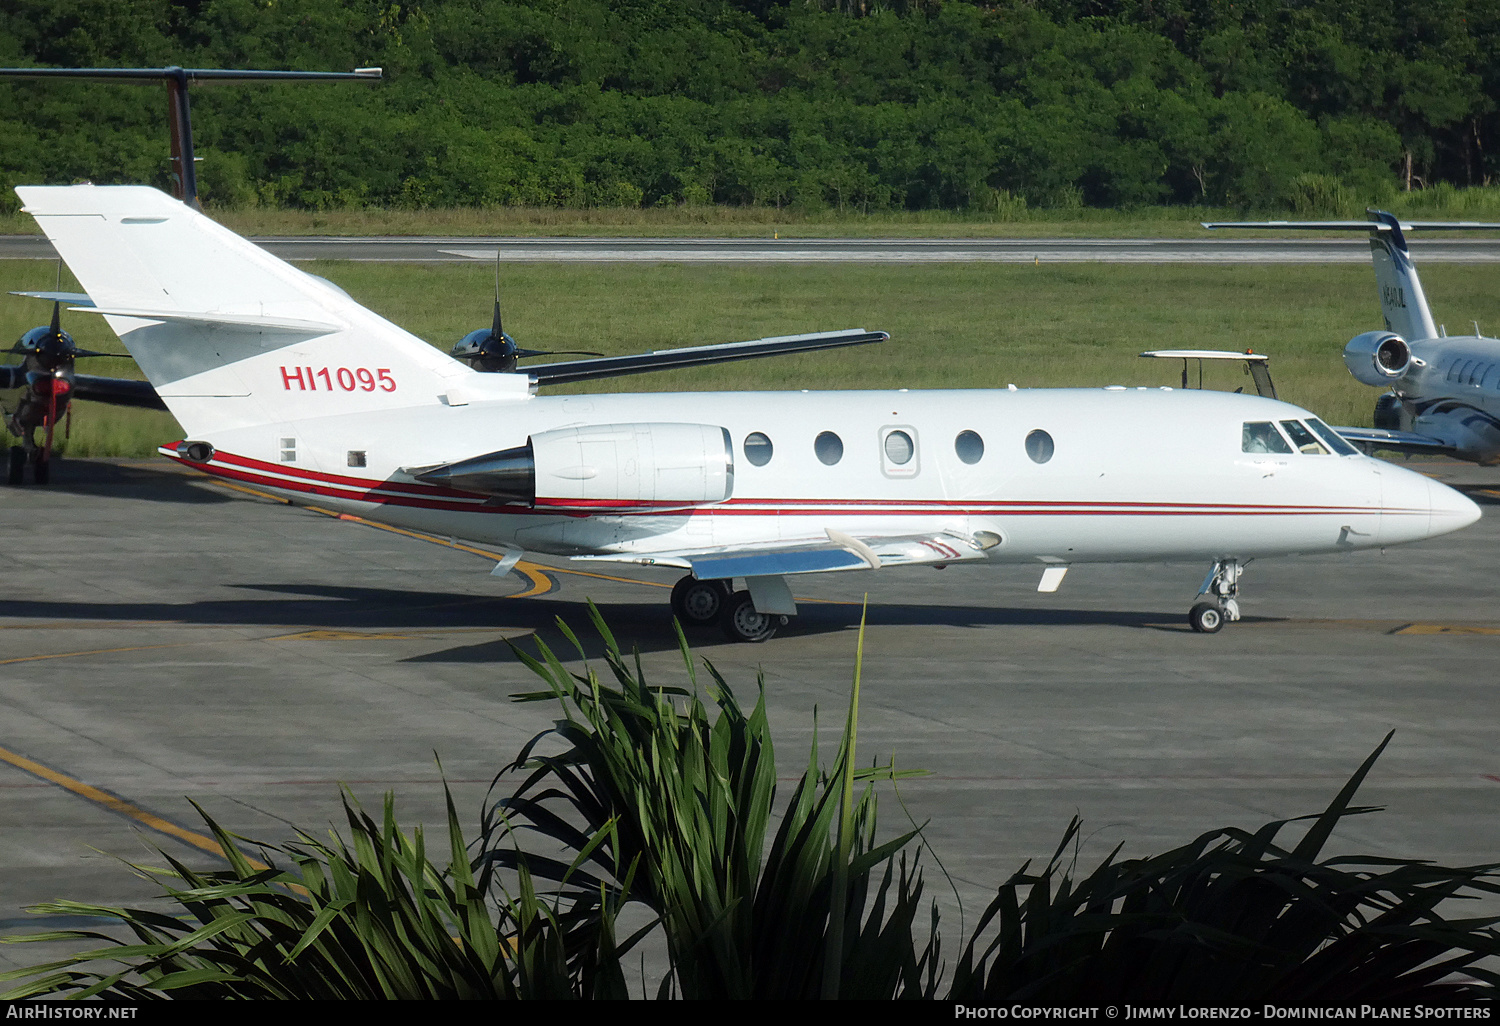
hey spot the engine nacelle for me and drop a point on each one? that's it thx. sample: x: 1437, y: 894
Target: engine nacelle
x: 1377, y: 357
x: 603, y: 467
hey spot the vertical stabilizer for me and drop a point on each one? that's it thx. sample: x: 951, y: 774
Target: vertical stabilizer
x: 1402, y: 300
x: 229, y: 335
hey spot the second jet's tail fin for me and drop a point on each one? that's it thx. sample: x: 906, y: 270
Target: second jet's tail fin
x: 1402, y: 301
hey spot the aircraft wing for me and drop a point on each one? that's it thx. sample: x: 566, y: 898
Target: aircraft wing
x: 1370, y: 439
x: 837, y: 551
x: 117, y: 391
x: 697, y: 356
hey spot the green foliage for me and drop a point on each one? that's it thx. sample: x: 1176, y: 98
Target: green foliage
x: 669, y: 806
x: 1235, y: 918
x: 848, y: 105
x: 641, y: 797
x: 370, y: 918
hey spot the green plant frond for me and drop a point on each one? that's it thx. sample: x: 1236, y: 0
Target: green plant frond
x: 1317, y: 835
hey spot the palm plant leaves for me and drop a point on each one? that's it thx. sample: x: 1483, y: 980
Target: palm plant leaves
x: 681, y: 801
x: 1233, y: 915
x: 648, y: 795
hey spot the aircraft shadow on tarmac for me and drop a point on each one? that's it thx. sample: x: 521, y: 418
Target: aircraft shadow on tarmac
x: 128, y: 481
x: 643, y: 625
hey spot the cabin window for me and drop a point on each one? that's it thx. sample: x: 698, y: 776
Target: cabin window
x: 288, y: 450
x: 899, y: 448
x: 1262, y: 436
x: 1333, y: 438
x: 1488, y: 381
x: 829, y: 448
x: 758, y: 449
x: 1303, y: 439
x: 1039, y: 446
x: 1477, y: 374
x: 898, y: 451
x: 356, y: 457
x: 969, y: 446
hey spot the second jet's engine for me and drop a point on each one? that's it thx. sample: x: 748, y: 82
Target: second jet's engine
x: 1377, y: 357
x: 602, y: 467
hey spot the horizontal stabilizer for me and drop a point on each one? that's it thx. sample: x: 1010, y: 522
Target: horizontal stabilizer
x: 77, y: 299
x: 1360, y: 226
x: 1371, y: 439
x: 697, y: 356
x: 225, y: 321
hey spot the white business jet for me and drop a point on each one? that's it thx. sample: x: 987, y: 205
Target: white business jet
x: 1444, y: 393
x: 282, y: 380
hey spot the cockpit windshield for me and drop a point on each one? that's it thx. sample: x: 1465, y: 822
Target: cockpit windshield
x: 1303, y: 439
x: 1262, y: 436
x: 1333, y: 438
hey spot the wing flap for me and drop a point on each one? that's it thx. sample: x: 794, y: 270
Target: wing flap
x: 814, y: 556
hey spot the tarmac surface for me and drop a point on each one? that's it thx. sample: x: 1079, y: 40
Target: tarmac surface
x: 1242, y: 248
x: 164, y: 637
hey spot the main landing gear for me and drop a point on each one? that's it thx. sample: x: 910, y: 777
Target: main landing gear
x: 41, y: 465
x: 1220, y: 592
x: 699, y: 603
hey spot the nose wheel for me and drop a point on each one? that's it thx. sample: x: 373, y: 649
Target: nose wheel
x: 1220, y: 595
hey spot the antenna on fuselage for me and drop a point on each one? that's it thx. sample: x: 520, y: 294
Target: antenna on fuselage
x: 185, y: 176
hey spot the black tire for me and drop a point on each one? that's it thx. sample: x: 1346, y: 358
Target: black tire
x: 697, y: 603
x: 17, y: 465
x: 1206, y: 618
x: 741, y: 622
x: 41, y: 470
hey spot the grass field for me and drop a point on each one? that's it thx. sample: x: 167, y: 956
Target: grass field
x: 955, y: 325
x: 1441, y: 202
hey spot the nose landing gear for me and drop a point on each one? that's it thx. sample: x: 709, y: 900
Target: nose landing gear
x: 1221, y: 589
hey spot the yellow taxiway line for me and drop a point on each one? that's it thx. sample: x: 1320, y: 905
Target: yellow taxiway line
x: 113, y: 803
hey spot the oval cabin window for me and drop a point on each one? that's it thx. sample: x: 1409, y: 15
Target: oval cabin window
x: 829, y: 448
x: 758, y: 449
x: 1039, y: 446
x: 969, y: 446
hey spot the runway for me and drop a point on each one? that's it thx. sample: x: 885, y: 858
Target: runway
x: 1217, y: 249
x: 167, y: 637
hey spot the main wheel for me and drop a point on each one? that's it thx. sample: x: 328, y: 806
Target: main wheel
x: 41, y: 470
x: 17, y: 465
x: 1206, y: 618
x: 741, y: 622
x: 698, y: 602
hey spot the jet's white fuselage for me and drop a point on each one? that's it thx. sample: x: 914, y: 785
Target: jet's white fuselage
x: 1134, y: 474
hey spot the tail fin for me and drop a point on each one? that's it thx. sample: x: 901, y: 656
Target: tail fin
x: 1402, y: 300
x: 229, y: 335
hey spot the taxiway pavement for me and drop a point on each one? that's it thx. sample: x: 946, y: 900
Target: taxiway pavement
x: 165, y: 638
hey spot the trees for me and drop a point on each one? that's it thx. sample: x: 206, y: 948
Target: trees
x: 870, y: 106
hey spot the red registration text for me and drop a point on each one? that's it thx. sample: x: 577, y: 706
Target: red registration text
x: 337, y: 379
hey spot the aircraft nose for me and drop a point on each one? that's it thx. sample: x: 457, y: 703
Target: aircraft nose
x: 1451, y: 509
x: 1417, y: 507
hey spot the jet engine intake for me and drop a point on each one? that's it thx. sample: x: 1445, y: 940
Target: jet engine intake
x: 602, y: 467
x: 1377, y: 357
